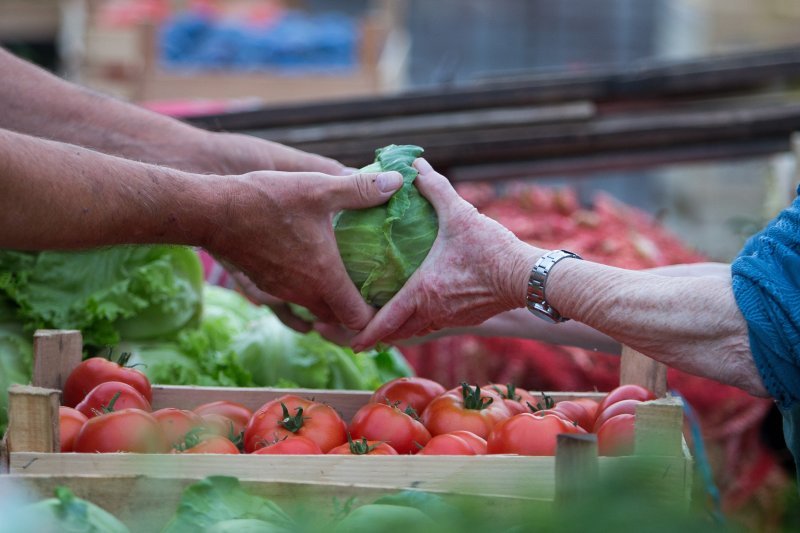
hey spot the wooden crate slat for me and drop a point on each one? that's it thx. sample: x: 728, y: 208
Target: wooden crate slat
x: 576, y: 467
x: 490, y: 474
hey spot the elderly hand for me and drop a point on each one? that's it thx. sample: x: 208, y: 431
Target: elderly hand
x: 475, y: 270
x: 277, y: 229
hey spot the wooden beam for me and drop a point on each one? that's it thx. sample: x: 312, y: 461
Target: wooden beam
x: 670, y: 126
x: 638, y: 369
x: 642, y: 80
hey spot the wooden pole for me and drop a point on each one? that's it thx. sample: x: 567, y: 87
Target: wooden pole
x: 55, y: 354
x: 638, y: 369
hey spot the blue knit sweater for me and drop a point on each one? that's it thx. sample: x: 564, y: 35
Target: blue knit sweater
x: 766, y: 284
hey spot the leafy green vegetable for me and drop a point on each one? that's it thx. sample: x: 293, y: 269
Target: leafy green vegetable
x: 387, y: 519
x: 382, y: 246
x: 16, y: 362
x: 219, y: 499
x: 240, y: 344
x: 67, y: 513
x: 130, y: 292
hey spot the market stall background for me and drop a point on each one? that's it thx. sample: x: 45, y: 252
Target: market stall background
x: 635, y: 208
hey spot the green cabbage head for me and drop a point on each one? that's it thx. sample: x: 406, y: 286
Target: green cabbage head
x: 382, y: 246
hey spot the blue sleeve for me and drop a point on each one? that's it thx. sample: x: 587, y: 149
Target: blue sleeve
x: 766, y: 284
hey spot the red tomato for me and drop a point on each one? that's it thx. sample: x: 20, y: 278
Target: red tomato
x: 236, y: 412
x: 447, y: 444
x: 515, y: 399
x: 382, y: 422
x: 176, y: 423
x: 616, y: 435
x: 576, y: 412
x: 477, y: 443
x: 622, y: 407
x: 467, y: 409
x: 128, y: 430
x: 290, y: 446
x: 70, y: 422
x: 212, y: 444
x: 291, y: 415
x: 625, y: 392
x: 552, y: 412
x: 414, y: 392
x: 112, y: 395
x: 92, y: 372
x: 590, y: 406
x: 527, y: 434
x: 363, y: 447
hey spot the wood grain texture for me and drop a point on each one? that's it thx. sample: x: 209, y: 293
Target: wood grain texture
x: 659, y: 427
x: 55, y: 354
x: 638, y: 369
x: 33, y: 419
x: 576, y: 467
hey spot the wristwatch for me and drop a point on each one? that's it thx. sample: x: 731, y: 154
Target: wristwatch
x: 535, y: 299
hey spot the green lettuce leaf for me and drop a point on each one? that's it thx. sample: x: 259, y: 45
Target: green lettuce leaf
x: 16, y: 363
x: 69, y: 514
x: 382, y: 246
x: 220, y: 499
x: 131, y: 292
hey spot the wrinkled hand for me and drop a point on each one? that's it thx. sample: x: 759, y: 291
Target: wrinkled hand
x: 233, y: 154
x: 475, y: 270
x: 277, y: 229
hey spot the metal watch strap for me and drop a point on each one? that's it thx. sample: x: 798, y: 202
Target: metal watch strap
x: 535, y: 299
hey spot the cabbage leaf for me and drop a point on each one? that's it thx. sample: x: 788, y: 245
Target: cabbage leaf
x: 382, y: 246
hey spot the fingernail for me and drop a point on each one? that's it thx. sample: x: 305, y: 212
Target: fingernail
x: 389, y: 181
x: 423, y: 165
x: 358, y: 348
x: 349, y: 171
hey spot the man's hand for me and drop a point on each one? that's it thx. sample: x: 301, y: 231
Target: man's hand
x: 233, y: 154
x: 277, y: 229
x: 475, y: 270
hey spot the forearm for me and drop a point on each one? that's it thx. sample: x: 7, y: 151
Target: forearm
x: 690, y: 323
x: 37, y: 103
x: 56, y: 195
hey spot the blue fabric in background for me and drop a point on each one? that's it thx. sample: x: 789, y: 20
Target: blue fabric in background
x: 296, y: 42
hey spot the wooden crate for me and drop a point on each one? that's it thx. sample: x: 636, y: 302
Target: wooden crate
x: 31, y: 443
x: 125, y: 62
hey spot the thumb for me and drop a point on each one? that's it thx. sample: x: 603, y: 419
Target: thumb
x: 364, y: 190
x: 436, y: 188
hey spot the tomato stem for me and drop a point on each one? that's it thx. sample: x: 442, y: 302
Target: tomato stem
x: 473, y: 398
x: 360, y: 447
x: 110, y: 407
x: 289, y: 422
